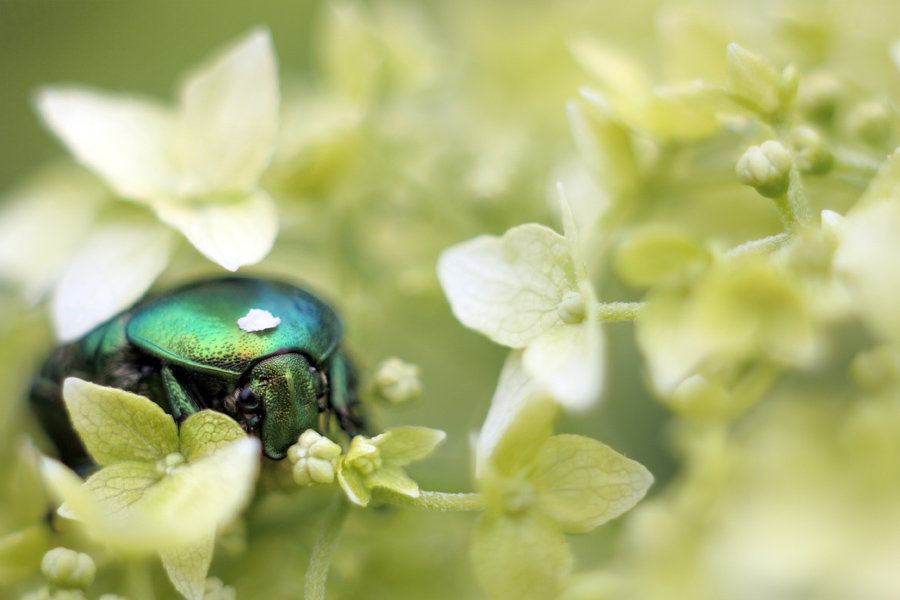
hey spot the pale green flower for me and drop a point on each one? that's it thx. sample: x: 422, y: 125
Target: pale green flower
x: 197, y: 166
x: 529, y: 289
x: 397, y: 381
x: 378, y: 462
x: 160, y: 488
x: 538, y: 487
x: 313, y: 457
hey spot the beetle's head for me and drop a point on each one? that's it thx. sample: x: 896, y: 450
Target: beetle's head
x: 283, y: 391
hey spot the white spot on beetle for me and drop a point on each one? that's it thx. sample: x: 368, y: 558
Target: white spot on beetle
x: 258, y: 320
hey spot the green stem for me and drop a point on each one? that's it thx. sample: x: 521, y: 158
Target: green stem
x: 793, y: 206
x: 758, y: 247
x: 139, y: 583
x: 320, y: 559
x: 619, y: 311
x: 441, y: 501
x: 855, y: 163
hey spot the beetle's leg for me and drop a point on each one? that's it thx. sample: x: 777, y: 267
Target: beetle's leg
x: 342, y: 394
x: 182, y: 401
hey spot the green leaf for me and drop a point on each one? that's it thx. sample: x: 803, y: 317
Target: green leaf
x: 525, y: 558
x: 403, y: 445
x: 583, y: 483
x: 116, y: 425
x: 751, y: 78
x: 509, y: 288
x: 206, y: 431
x: 187, y: 566
x: 119, y: 488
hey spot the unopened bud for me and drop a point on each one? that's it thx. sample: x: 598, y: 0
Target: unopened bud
x: 812, y: 154
x: 214, y: 589
x: 68, y: 569
x: 397, y: 381
x: 870, y: 122
x: 572, y: 309
x: 313, y: 457
x: 766, y: 168
x: 819, y: 95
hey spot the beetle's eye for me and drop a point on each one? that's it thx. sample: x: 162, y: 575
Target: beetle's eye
x: 319, y: 381
x: 247, y: 400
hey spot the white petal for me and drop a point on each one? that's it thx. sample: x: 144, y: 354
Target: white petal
x: 514, y: 390
x: 112, y: 271
x: 508, y: 288
x: 569, y: 362
x: 228, y: 123
x: 42, y: 225
x: 124, y: 139
x: 232, y: 234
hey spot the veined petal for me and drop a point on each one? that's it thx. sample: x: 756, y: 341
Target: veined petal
x: 403, y: 445
x: 583, y: 483
x: 508, y: 288
x: 232, y: 233
x: 228, y: 123
x: 394, y: 479
x: 112, y: 271
x: 568, y: 361
x: 116, y: 425
x: 206, y: 431
x: 523, y: 558
x: 353, y: 484
x: 187, y: 566
x: 122, y: 138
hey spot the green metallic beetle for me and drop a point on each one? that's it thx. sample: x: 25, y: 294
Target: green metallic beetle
x: 185, y: 351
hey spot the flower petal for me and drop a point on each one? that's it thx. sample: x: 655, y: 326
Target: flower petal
x: 568, y: 361
x: 110, y: 273
x: 230, y: 233
x: 206, y: 431
x: 353, y: 484
x: 43, y: 223
x: 394, y: 479
x: 122, y: 138
x: 187, y: 566
x: 403, y: 445
x: 525, y: 558
x: 508, y: 288
x: 583, y: 483
x: 228, y: 123
x: 116, y: 425
x: 514, y: 390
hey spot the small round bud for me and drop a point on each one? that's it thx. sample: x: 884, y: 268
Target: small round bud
x: 169, y: 463
x: 397, y: 381
x: 572, y: 309
x: 313, y: 457
x: 870, y: 122
x: 766, y: 168
x: 818, y: 96
x: 812, y: 154
x: 363, y: 455
x: 68, y: 569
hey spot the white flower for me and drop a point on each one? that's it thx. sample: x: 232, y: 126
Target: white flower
x: 198, y: 166
x: 529, y: 289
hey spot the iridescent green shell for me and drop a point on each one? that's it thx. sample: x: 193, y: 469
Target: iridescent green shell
x: 196, y: 326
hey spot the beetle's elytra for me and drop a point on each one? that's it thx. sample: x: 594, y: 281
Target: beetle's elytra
x: 185, y: 351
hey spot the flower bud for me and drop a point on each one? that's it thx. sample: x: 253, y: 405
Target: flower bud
x: 818, y: 96
x: 572, y: 309
x: 68, y: 569
x: 397, y: 381
x: 870, y: 122
x: 313, y: 458
x: 766, y: 168
x: 812, y: 154
x: 214, y: 589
